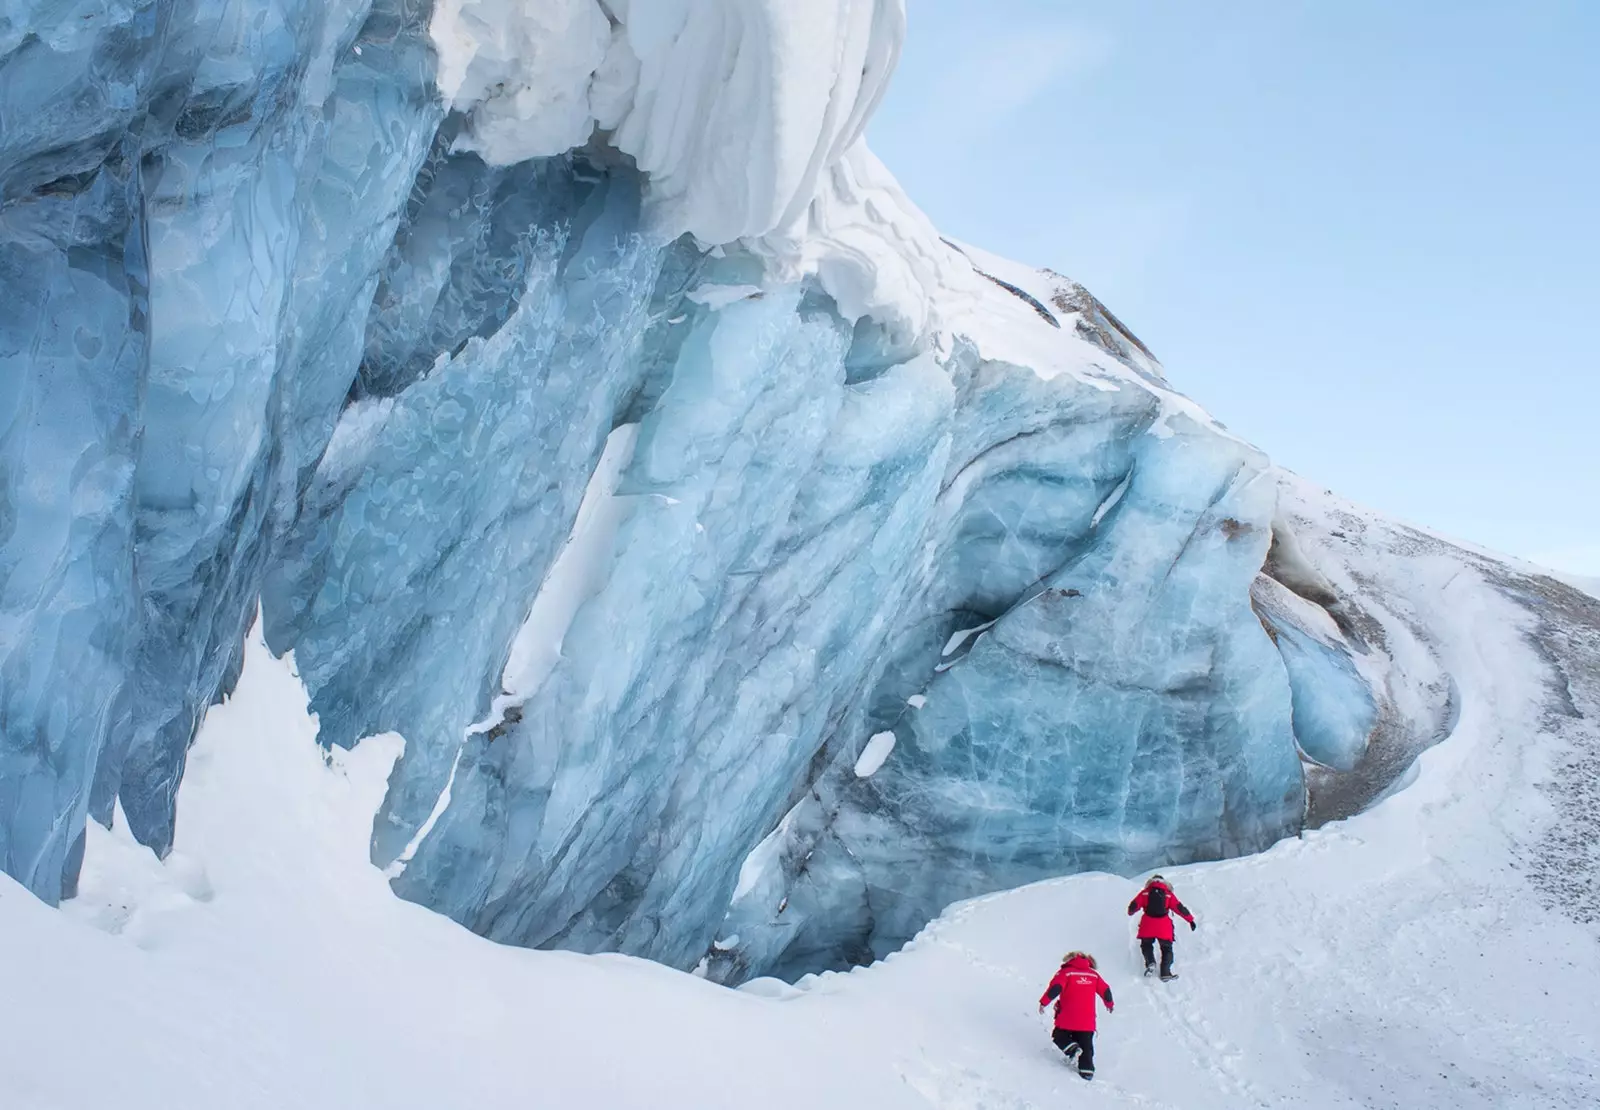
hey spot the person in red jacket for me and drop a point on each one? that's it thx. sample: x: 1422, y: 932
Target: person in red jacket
x: 1158, y: 903
x: 1073, y: 989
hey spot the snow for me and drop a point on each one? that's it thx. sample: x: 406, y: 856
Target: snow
x: 720, y: 296
x: 872, y: 756
x: 961, y: 636
x: 1399, y: 958
x: 577, y: 574
x: 266, y: 964
x: 757, y: 863
x: 522, y: 71
x: 398, y: 866
x: 745, y: 116
x: 734, y: 109
x: 1110, y: 502
x: 878, y: 255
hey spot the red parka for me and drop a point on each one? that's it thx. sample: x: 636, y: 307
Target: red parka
x: 1158, y: 928
x: 1074, y: 988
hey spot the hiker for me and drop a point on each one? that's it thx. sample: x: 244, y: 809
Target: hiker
x: 1159, y: 904
x: 1073, y: 988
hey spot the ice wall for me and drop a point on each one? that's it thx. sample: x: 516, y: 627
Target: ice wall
x: 194, y: 198
x: 1081, y: 684
x: 310, y: 306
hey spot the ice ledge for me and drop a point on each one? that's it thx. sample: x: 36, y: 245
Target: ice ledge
x: 745, y: 117
x: 735, y: 109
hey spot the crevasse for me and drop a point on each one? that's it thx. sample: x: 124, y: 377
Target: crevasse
x: 334, y: 309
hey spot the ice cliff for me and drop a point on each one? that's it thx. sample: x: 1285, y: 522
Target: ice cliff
x: 749, y: 571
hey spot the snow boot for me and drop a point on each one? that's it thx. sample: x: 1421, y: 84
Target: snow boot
x: 1149, y: 970
x: 1168, y: 976
x: 1089, y: 1074
x: 1071, y: 1051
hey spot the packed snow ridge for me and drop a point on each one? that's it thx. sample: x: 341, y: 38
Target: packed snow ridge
x: 749, y: 572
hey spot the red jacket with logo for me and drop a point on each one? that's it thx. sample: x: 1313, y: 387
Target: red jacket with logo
x: 1073, y: 989
x: 1158, y: 928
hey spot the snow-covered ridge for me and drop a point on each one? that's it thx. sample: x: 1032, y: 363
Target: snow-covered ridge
x: 745, y: 116
x: 734, y: 109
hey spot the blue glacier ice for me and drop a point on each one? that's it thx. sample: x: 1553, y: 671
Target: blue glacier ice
x: 196, y: 197
x: 768, y: 499
x: 453, y: 477
x: 1333, y: 707
x: 273, y: 340
x: 1084, y: 684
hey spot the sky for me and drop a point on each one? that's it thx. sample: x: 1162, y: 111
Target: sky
x: 1365, y: 235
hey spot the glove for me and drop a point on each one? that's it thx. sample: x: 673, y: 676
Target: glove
x: 1111, y: 1009
x: 1041, y: 1009
x: 1193, y: 926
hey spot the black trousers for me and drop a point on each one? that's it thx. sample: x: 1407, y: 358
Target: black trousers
x: 1085, y: 1043
x: 1147, y: 945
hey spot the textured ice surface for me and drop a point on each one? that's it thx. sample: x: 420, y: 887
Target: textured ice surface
x: 275, y: 331
x: 776, y: 92
x: 693, y: 689
x: 745, y: 116
x: 451, y: 482
x: 193, y: 200
x: 1121, y: 707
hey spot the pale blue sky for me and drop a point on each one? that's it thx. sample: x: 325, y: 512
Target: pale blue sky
x: 1364, y: 233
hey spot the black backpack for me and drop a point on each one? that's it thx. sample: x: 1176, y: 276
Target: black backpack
x: 1155, y: 901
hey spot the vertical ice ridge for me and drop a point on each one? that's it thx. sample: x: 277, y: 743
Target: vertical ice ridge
x: 191, y: 204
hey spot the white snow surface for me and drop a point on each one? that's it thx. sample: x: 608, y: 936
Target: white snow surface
x: 746, y: 117
x: 740, y: 106
x: 735, y: 109
x: 522, y: 70
x: 1397, y: 959
x: 872, y: 756
x: 578, y: 573
x: 961, y: 636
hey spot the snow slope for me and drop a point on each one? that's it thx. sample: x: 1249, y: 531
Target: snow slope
x: 1418, y: 955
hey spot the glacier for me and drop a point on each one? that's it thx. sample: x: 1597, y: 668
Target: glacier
x: 361, y: 314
